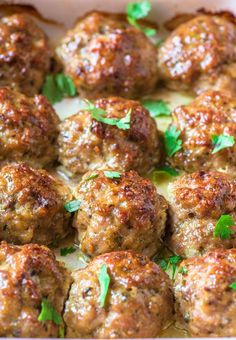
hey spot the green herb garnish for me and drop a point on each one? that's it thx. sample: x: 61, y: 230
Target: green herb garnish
x: 172, y: 141
x: 61, y: 332
x: 183, y: 270
x: 92, y: 176
x: 156, y: 107
x: 104, y: 281
x: 100, y: 115
x: 170, y: 263
x: 58, y: 86
x: 67, y: 250
x: 164, y: 170
x: 72, y: 206
x: 112, y: 174
x: 137, y: 11
x: 221, y: 142
x: 48, y: 313
x: 222, y: 228
x: 233, y: 285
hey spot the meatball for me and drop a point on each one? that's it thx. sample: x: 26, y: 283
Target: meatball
x: 29, y: 274
x: 25, y: 54
x: 200, y: 55
x: 138, y: 303
x: 104, y: 55
x: 32, y: 206
x: 204, y: 295
x: 119, y: 214
x: 197, y: 202
x: 87, y: 144
x: 212, y: 113
x: 28, y: 129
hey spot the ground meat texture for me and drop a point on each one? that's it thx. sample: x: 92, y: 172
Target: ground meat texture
x: 28, y: 129
x: 86, y: 144
x: 29, y: 274
x: 104, y: 55
x: 212, y: 113
x: 204, y: 298
x: 32, y: 206
x: 200, y: 55
x: 138, y: 304
x: 197, y: 202
x: 119, y: 214
x: 25, y: 54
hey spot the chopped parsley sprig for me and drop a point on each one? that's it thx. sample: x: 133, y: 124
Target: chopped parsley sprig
x: 72, y: 206
x: 233, y: 285
x: 104, y: 281
x: 172, y: 141
x: 164, y: 170
x: 67, y: 250
x: 137, y: 11
x: 157, y: 107
x: 221, y: 142
x: 48, y: 313
x: 170, y: 263
x: 57, y: 86
x: 112, y: 174
x: 101, y: 116
x: 222, y: 228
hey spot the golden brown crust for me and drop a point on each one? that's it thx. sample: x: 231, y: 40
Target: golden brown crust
x: 28, y: 129
x: 138, y: 304
x: 32, y: 206
x: 86, y: 144
x: 212, y: 113
x: 105, y: 56
x: 203, y: 294
x: 27, y: 275
x: 25, y: 54
x: 119, y: 214
x: 197, y: 202
x: 200, y: 54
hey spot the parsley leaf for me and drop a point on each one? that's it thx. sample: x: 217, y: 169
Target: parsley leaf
x: 100, y: 115
x: 183, y: 270
x: 67, y: 250
x: 112, y: 174
x: 92, y: 176
x: 171, y: 141
x: 139, y: 10
x: 72, y: 206
x: 58, y: 86
x: 61, y: 332
x: 222, y: 228
x: 104, y: 281
x: 233, y: 285
x: 156, y: 107
x: 221, y: 142
x: 164, y: 170
x: 170, y: 263
x: 48, y: 313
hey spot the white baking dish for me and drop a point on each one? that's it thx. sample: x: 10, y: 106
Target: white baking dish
x: 67, y: 11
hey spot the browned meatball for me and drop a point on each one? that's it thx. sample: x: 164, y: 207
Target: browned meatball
x: 25, y: 54
x: 199, y: 55
x: 212, y: 113
x: 87, y: 144
x: 28, y: 129
x: 104, y: 55
x: 29, y: 274
x: 197, y: 202
x: 32, y: 206
x: 138, y: 304
x: 119, y: 214
x: 204, y: 296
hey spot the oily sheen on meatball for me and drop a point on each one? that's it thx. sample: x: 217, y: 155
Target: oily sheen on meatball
x: 200, y: 55
x: 138, y: 304
x: 87, y: 144
x: 197, y: 201
x: 25, y: 54
x: 104, y: 55
x: 29, y: 274
x: 119, y: 214
x: 213, y: 113
x: 204, y: 295
x: 32, y: 206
